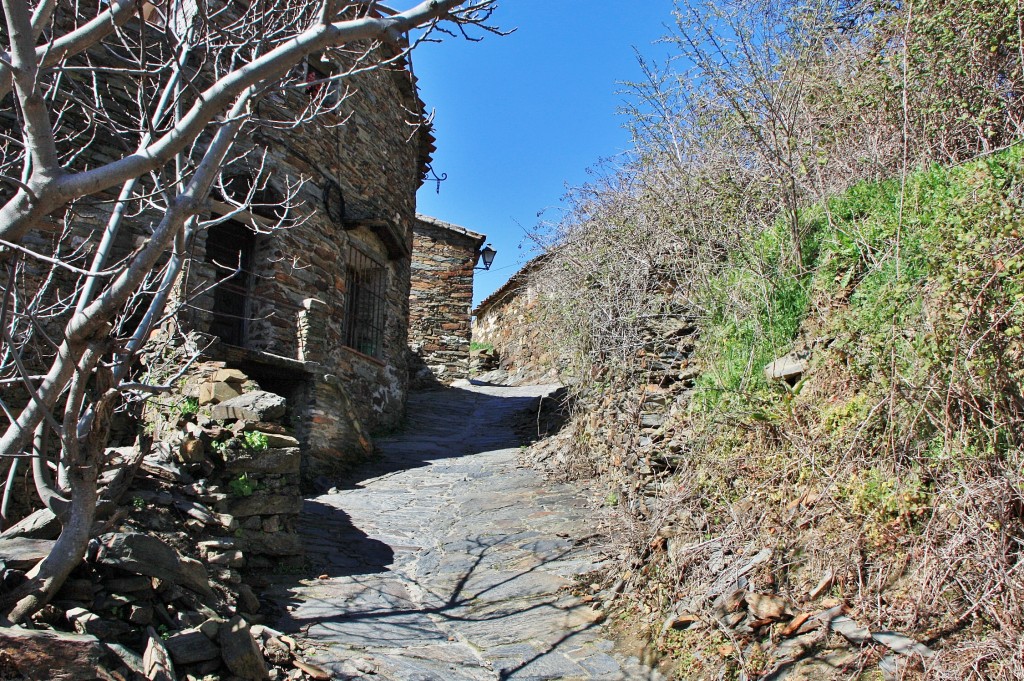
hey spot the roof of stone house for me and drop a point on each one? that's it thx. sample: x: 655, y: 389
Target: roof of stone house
x: 512, y: 286
x: 441, y: 224
x: 425, y: 132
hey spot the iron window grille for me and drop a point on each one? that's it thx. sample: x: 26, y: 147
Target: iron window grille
x: 366, y: 286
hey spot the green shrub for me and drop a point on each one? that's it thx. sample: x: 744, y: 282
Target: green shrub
x: 756, y: 308
x: 927, y: 277
x: 186, y: 407
x: 255, y: 441
x: 242, y: 486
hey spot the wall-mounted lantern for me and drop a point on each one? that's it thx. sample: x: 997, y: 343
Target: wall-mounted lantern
x: 486, y: 255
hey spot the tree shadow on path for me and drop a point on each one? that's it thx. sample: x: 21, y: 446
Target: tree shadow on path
x: 375, y: 615
x: 485, y: 596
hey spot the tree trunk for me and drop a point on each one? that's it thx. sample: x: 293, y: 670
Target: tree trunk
x: 47, y: 577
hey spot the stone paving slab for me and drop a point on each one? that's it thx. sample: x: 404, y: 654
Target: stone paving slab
x: 449, y: 561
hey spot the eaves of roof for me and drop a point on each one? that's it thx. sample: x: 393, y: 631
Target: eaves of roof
x: 478, y: 238
x: 510, y: 287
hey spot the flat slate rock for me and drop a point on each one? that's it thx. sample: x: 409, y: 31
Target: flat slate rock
x: 787, y: 367
x: 267, y: 462
x: 52, y: 655
x: 22, y: 553
x: 258, y: 405
x: 42, y: 524
x: 280, y: 440
x: 156, y: 661
x: 261, y: 504
x: 240, y: 652
x: 146, y: 555
x: 191, y: 646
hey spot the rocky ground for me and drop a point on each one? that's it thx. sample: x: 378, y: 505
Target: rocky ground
x: 190, y: 522
x: 448, y: 559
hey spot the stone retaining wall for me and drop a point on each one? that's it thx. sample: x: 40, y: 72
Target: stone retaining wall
x: 503, y: 320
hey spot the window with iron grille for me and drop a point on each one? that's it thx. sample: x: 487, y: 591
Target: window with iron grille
x: 366, y: 287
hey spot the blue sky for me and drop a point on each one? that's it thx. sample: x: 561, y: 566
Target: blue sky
x: 519, y: 118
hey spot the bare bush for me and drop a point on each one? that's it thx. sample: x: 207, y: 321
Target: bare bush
x: 895, y: 468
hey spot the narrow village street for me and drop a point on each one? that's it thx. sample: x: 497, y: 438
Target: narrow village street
x: 448, y: 561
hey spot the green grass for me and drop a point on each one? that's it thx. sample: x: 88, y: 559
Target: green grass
x: 915, y: 284
x: 758, y: 305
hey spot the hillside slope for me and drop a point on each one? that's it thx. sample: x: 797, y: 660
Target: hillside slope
x: 771, y: 525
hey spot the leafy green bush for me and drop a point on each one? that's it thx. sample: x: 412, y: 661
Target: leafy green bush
x: 186, y: 407
x: 251, y: 441
x: 242, y: 486
x: 255, y: 441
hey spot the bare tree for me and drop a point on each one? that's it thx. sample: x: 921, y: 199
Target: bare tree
x: 135, y: 109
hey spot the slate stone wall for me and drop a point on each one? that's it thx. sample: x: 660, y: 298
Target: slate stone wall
x: 504, y: 321
x: 441, y: 298
x: 373, y: 151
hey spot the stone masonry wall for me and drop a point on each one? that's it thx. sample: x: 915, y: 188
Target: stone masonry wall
x: 441, y: 298
x: 366, y: 150
x: 370, y: 150
x: 503, y: 321
x: 298, y: 298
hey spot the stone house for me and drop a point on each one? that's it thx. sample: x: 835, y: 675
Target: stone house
x: 441, y: 298
x: 503, y: 321
x: 317, y: 312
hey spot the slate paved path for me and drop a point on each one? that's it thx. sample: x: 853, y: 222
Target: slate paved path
x: 449, y: 562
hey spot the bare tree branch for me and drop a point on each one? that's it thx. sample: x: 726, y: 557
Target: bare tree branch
x: 128, y: 123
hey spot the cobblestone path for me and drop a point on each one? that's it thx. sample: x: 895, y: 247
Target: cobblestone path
x: 449, y: 562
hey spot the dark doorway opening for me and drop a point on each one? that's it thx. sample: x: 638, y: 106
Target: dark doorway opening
x: 230, y: 248
x: 292, y: 383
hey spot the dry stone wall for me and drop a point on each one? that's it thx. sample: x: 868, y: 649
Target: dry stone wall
x: 232, y: 443
x: 176, y: 574
x: 503, y: 322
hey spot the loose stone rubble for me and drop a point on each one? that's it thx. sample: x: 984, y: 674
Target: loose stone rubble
x: 169, y: 590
